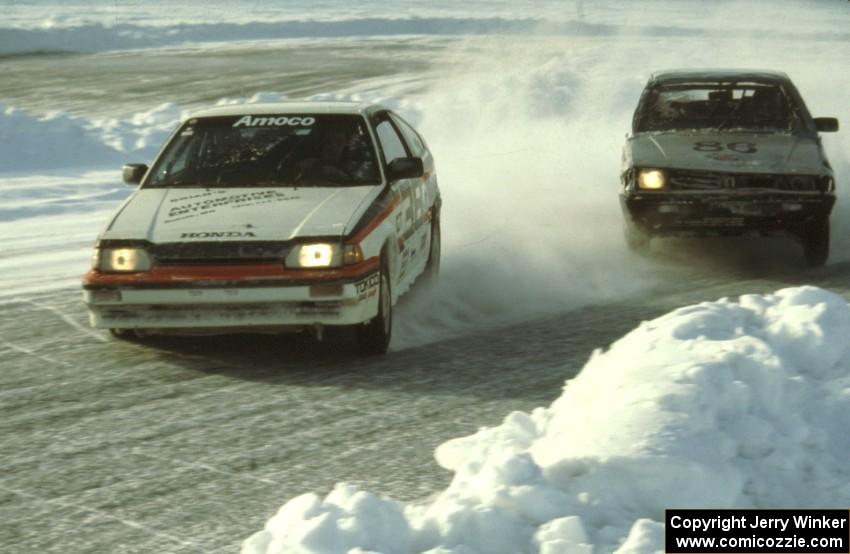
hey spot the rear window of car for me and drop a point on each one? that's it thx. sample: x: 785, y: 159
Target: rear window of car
x: 269, y: 150
x: 715, y: 105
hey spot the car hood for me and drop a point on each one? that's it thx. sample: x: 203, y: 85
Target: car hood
x: 740, y: 152
x: 225, y: 214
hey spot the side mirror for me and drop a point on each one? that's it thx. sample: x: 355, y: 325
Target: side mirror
x: 133, y: 173
x: 826, y: 124
x: 405, y: 168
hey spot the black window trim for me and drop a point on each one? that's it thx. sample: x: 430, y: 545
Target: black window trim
x: 377, y: 119
x: 401, y: 124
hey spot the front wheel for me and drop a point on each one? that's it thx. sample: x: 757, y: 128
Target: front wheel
x: 816, y: 244
x: 374, y: 336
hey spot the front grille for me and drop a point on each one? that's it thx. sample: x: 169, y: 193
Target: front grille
x: 692, y: 180
x: 179, y: 312
x: 695, y: 181
x: 219, y: 252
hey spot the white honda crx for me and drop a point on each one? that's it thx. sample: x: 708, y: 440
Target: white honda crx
x: 271, y: 217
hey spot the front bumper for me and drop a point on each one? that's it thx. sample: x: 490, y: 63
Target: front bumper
x: 724, y: 214
x: 235, y: 297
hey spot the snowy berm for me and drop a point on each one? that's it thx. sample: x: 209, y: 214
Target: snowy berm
x: 730, y: 403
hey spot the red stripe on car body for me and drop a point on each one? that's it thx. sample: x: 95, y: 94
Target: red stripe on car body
x: 211, y: 274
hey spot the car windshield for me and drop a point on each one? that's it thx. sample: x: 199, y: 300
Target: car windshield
x: 302, y: 150
x: 715, y: 105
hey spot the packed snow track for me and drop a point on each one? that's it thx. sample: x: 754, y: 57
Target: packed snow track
x: 190, y: 444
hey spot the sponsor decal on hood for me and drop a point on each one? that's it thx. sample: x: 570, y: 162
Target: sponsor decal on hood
x: 233, y: 214
x: 213, y: 200
x: 219, y: 235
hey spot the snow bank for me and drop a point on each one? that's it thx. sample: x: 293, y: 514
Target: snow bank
x: 89, y: 27
x: 59, y: 140
x: 62, y: 141
x: 53, y: 141
x: 96, y: 37
x: 729, y: 403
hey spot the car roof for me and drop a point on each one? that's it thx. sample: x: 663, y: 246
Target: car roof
x: 295, y: 107
x: 684, y: 75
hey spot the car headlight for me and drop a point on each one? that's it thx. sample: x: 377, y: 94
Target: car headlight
x: 802, y: 182
x: 652, y: 179
x: 122, y: 260
x: 323, y: 254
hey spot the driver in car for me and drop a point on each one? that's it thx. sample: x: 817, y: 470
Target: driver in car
x: 340, y: 158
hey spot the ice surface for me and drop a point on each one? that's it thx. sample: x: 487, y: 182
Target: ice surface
x: 733, y: 403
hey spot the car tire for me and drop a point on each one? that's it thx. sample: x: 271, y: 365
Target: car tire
x: 432, y: 266
x: 374, y: 336
x: 816, y: 244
